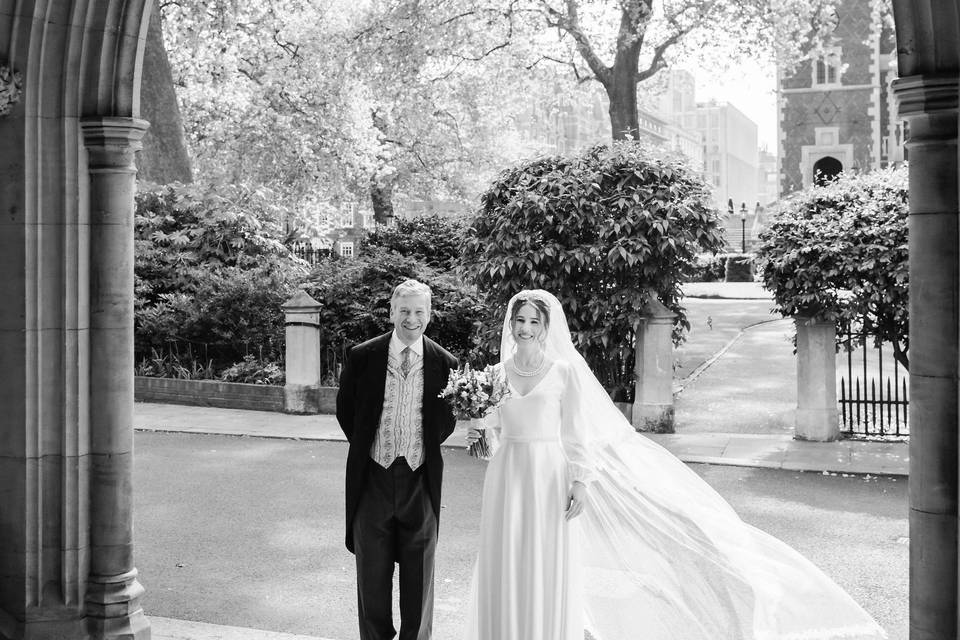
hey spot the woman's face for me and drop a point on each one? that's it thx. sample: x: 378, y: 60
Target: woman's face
x: 528, y: 326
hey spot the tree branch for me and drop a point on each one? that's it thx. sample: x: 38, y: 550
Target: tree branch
x: 581, y: 78
x: 569, y: 22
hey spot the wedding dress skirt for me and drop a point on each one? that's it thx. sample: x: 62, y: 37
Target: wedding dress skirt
x: 656, y: 555
x: 527, y: 583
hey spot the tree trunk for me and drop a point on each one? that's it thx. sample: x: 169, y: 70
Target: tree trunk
x: 381, y: 197
x: 622, y: 94
x: 164, y: 157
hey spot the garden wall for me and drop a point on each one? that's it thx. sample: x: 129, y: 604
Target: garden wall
x: 227, y: 395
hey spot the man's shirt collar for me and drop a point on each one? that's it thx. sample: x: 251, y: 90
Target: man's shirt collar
x: 396, y: 345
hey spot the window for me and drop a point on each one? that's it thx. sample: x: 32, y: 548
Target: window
x: 346, y: 249
x: 827, y: 68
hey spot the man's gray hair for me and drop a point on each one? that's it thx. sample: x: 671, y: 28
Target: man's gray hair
x: 410, y: 287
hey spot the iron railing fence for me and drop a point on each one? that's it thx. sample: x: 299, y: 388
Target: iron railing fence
x: 873, y: 400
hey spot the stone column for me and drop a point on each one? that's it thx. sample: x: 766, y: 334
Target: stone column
x: 653, y: 399
x: 816, y: 417
x: 302, y: 319
x: 113, y: 593
x: 929, y: 104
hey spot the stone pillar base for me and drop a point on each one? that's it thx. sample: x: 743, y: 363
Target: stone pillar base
x: 113, y: 608
x: 301, y: 398
x: 65, y: 626
x: 656, y: 418
x: 817, y: 425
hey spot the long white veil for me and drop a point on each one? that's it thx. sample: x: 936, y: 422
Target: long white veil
x: 666, y: 558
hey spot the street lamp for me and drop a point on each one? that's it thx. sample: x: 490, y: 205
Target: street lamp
x: 743, y: 227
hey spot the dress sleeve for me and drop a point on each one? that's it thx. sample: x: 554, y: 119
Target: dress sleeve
x: 573, y: 429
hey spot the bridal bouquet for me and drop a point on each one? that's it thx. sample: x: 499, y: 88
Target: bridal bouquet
x: 472, y: 394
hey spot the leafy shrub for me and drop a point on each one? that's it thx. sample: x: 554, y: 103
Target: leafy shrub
x: 707, y: 267
x: 839, y: 253
x: 435, y: 240
x: 738, y: 267
x: 210, y: 275
x: 354, y: 294
x: 252, y: 370
x: 603, y: 231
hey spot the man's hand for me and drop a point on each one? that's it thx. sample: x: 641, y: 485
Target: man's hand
x: 576, y: 500
x: 473, y: 435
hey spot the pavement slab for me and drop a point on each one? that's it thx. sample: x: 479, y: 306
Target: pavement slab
x: 171, y: 629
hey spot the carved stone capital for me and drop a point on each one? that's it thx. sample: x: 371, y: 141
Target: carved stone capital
x: 11, y: 89
x: 112, y: 142
x: 926, y: 95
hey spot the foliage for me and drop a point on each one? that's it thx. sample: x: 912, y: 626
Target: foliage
x: 603, y: 231
x: 252, y: 370
x: 210, y: 275
x: 334, y: 101
x: 839, y: 253
x: 355, y: 298
x: 738, y: 267
x: 434, y: 240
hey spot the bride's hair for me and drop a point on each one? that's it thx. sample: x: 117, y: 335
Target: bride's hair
x: 541, y: 305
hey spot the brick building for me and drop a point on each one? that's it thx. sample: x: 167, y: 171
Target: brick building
x: 835, y: 109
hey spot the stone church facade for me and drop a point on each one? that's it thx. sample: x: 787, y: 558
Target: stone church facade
x: 835, y: 109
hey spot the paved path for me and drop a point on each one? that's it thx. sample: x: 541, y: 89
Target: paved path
x: 776, y: 451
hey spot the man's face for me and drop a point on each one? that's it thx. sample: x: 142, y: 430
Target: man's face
x: 410, y: 315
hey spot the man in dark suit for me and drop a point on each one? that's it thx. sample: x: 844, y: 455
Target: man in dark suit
x: 389, y: 408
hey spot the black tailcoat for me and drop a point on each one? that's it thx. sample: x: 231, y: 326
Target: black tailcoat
x: 360, y: 402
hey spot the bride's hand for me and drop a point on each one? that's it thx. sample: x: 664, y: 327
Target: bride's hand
x: 576, y: 500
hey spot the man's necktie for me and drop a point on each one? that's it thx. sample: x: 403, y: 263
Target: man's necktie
x: 405, y: 362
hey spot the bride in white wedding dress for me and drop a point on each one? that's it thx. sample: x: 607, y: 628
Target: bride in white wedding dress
x: 586, y: 526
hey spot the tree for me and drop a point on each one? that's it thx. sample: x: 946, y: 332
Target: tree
x: 441, y: 99
x: 327, y: 102
x: 838, y: 252
x: 604, y: 231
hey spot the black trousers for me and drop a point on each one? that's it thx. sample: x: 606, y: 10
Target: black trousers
x: 395, y: 524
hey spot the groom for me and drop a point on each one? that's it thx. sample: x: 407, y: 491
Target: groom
x: 389, y: 409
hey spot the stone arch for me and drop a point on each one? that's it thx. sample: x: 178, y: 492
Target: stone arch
x: 826, y: 170
x: 66, y: 565
x: 62, y: 561
x: 928, y: 60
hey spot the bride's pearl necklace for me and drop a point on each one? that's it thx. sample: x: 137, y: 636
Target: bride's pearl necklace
x: 530, y: 373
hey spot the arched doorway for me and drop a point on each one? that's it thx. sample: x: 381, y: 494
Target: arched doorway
x: 825, y: 170
x: 66, y: 562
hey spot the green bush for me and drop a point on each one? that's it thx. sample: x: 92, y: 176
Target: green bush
x: 434, y: 240
x: 707, y: 267
x: 738, y: 267
x: 603, y: 231
x: 354, y: 294
x: 839, y: 253
x: 211, y: 273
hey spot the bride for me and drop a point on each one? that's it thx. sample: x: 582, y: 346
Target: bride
x: 586, y: 526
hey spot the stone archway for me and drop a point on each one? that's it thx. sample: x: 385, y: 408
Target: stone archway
x: 826, y: 170
x: 66, y: 339
x: 66, y: 565
x: 928, y: 60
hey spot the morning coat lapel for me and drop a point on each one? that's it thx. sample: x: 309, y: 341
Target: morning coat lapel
x: 431, y: 370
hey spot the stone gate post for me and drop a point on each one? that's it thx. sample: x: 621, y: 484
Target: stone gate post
x: 653, y: 399
x: 816, y: 416
x: 302, y: 319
